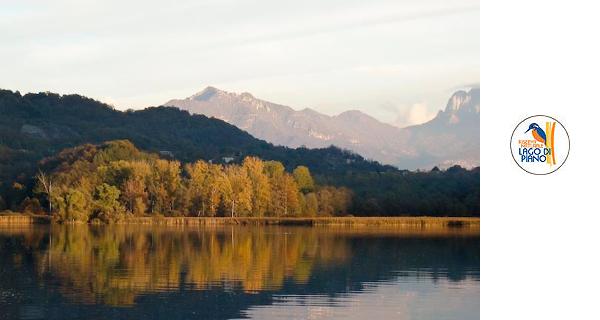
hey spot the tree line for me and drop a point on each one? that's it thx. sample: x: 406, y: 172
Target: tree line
x: 108, y: 182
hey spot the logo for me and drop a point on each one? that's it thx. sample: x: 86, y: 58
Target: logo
x: 540, y: 144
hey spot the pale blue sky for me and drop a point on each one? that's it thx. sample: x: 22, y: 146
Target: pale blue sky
x: 387, y: 58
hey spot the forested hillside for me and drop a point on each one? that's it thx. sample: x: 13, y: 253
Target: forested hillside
x: 38, y: 126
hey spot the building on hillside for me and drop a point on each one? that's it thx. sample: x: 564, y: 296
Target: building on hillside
x: 166, y: 153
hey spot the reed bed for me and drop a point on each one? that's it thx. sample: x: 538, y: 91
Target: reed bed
x: 343, y: 222
x: 11, y: 218
x: 417, y: 222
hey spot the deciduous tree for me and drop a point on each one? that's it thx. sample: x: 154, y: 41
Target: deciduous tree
x: 304, y: 180
x: 240, y: 186
x: 261, y: 190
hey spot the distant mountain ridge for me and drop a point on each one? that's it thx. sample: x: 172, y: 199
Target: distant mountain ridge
x: 443, y: 141
x: 35, y: 126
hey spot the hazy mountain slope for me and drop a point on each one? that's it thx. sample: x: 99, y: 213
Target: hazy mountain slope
x: 452, y: 137
x: 441, y: 141
x: 283, y: 125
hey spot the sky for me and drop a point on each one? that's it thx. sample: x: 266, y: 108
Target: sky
x: 396, y: 60
x: 403, y: 298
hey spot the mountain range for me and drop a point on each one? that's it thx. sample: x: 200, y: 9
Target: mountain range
x: 36, y: 126
x: 452, y: 137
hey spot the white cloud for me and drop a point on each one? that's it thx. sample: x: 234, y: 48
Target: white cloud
x: 329, y: 55
x: 404, y: 300
x: 416, y: 114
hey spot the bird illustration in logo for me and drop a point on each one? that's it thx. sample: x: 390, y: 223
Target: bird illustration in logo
x: 537, y: 132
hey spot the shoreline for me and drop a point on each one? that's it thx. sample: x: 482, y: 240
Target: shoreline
x: 400, y: 222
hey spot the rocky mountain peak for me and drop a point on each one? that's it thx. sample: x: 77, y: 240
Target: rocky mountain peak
x: 457, y: 100
x: 247, y: 96
x: 355, y: 116
x: 206, y: 94
x: 463, y: 101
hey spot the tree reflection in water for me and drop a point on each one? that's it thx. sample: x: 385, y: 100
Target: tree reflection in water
x: 218, y: 269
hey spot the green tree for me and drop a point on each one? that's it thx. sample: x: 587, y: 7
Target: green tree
x: 130, y: 177
x: 72, y: 205
x: 304, y: 180
x: 164, y: 183
x: 107, y: 207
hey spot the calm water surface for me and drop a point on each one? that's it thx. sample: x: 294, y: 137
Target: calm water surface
x: 137, y: 272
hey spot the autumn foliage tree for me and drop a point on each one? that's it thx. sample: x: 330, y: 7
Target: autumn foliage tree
x: 239, y: 191
x: 261, y: 189
x: 109, y: 182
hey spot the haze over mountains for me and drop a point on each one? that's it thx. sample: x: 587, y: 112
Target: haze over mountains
x: 452, y: 137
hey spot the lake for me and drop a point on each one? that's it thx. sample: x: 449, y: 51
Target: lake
x: 235, y: 272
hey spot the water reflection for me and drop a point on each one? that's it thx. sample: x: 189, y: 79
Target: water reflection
x: 135, y: 271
